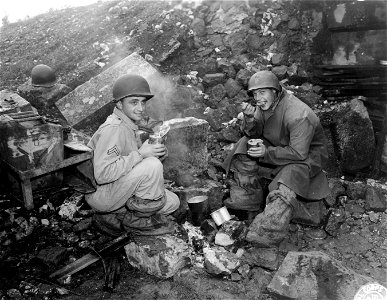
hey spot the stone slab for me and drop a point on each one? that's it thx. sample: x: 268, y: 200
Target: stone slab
x: 96, y: 93
x: 314, y: 275
x: 161, y: 256
x: 187, y: 150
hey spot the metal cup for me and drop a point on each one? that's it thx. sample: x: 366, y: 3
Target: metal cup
x: 254, y: 143
x: 156, y: 139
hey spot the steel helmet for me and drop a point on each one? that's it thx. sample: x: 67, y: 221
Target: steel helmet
x: 263, y: 79
x: 131, y: 85
x: 42, y: 75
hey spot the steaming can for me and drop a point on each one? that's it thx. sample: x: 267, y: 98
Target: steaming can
x: 155, y: 139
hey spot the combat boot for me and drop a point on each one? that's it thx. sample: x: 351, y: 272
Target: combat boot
x: 271, y: 227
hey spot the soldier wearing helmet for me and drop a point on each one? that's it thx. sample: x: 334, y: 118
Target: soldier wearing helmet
x: 42, y: 91
x: 290, y: 155
x: 130, y: 193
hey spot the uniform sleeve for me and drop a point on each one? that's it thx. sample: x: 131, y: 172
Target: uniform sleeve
x: 301, y: 134
x: 252, y: 127
x: 109, y: 164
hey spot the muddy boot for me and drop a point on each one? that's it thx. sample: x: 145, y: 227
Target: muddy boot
x: 109, y: 223
x: 270, y: 228
x: 153, y: 225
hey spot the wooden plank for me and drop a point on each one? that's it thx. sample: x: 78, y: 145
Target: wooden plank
x: 27, y: 194
x: 92, y: 257
x: 54, y: 167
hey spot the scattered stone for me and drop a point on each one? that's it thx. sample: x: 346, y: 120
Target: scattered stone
x: 277, y: 60
x: 315, y: 275
x: 356, y: 190
x: 161, y: 256
x: 53, y: 256
x: 294, y: 24
x: 232, y: 87
x: 82, y: 225
x: 199, y: 27
x: 213, y: 79
x: 354, y: 208
x: 336, y: 217
x: 243, y: 76
x: 236, y: 277
x: 267, y: 258
x: 374, y: 217
x: 259, y: 280
x: 337, y: 189
x: 14, y: 294
x: 218, y: 92
x: 218, y: 261
x: 375, y: 200
x: 244, y: 270
x: 280, y: 71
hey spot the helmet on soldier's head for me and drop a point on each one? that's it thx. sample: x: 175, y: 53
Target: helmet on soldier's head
x: 42, y: 75
x: 131, y: 85
x: 263, y: 79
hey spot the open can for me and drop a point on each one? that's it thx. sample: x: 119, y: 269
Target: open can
x: 220, y: 216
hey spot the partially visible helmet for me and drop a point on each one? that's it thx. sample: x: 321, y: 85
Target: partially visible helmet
x: 264, y: 79
x: 131, y: 85
x: 42, y: 75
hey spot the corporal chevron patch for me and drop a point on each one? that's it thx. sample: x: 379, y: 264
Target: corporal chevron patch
x: 114, y: 150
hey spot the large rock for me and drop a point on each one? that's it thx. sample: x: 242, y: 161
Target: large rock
x: 160, y: 256
x: 89, y: 104
x: 187, y: 147
x: 355, y: 137
x: 262, y: 257
x: 314, y: 275
x: 218, y: 261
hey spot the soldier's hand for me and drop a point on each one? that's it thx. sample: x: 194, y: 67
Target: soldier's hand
x: 257, y: 151
x: 248, y: 110
x: 148, y: 150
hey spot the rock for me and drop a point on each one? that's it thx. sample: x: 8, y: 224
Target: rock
x: 355, y: 137
x: 14, y: 294
x: 315, y: 275
x: 277, y: 59
x: 254, y: 42
x: 237, y: 42
x: 259, y: 279
x: 216, y: 40
x: 226, y: 67
x: 336, y: 218
x: 53, y: 256
x: 280, y: 71
x: 337, y: 189
x: 213, y: 79
x: 83, y: 225
x: 232, y: 87
x: 243, y: 76
x: 187, y: 149
x: 267, y: 258
x: 216, y: 117
x: 375, y: 200
x: 356, y: 190
x: 229, y: 134
x: 294, y: 24
x: 313, y: 213
x: 230, y: 232
x: 354, y: 208
x: 199, y: 27
x: 161, y: 256
x: 218, y: 92
x: 218, y: 261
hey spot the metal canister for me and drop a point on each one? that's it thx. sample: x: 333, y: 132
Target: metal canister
x: 156, y: 139
x: 254, y: 143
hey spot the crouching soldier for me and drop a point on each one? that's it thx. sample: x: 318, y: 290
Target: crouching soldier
x: 291, y: 154
x: 130, y: 194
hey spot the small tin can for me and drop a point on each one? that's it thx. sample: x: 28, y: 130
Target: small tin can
x: 220, y: 216
x: 156, y: 139
x: 254, y: 143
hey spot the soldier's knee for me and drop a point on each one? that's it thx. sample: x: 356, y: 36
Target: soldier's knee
x: 153, y: 163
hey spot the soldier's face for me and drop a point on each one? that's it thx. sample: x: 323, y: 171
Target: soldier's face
x: 264, y: 98
x: 133, y: 107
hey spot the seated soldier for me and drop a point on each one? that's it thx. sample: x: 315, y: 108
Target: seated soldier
x: 291, y: 154
x: 130, y: 194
